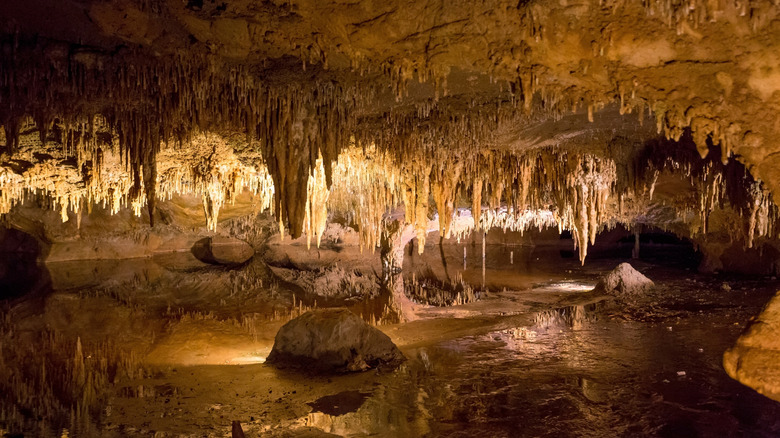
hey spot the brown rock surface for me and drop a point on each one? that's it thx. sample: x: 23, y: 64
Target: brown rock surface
x: 222, y: 250
x: 755, y: 359
x: 332, y: 340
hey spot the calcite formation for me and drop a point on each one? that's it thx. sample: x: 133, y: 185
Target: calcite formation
x: 538, y: 113
x: 752, y: 360
x: 623, y: 281
x: 395, y: 118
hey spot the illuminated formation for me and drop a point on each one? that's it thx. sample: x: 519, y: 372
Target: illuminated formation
x: 443, y: 129
x: 580, y: 192
x: 228, y: 165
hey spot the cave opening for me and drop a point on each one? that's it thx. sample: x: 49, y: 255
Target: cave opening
x: 21, y: 272
x: 319, y: 218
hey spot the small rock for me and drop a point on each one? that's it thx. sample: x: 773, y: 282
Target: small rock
x: 725, y: 287
x: 624, y: 280
x: 680, y: 373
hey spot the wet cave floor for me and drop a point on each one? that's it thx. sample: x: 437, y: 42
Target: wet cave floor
x: 177, y: 351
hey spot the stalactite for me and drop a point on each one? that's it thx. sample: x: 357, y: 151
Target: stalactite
x: 366, y: 187
x: 446, y: 175
x: 417, y: 183
x: 476, y: 196
x: 157, y: 98
x: 426, y: 148
x: 316, y: 205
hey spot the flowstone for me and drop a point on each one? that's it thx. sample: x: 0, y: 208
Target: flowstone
x: 755, y: 359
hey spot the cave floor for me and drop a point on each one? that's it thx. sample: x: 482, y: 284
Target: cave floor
x: 547, y: 359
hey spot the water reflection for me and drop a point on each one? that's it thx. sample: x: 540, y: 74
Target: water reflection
x: 562, y: 372
x: 575, y: 376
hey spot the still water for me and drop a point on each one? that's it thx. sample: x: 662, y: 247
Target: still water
x: 119, y: 357
x: 600, y: 378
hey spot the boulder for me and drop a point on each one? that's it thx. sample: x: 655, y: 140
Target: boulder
x: 332, y: 340
x: 755, y: 359
x: 220, y: 250
x: 623, y: 280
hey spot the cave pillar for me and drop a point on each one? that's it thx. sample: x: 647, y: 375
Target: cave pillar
x: 635, y: 251
x: 395, y: 236
x: 711, y: 257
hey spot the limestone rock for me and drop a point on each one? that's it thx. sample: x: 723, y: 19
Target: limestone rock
x: 222, y: 250
x: 624, y: 280
x: 755, y: 359
x: 332, y: 340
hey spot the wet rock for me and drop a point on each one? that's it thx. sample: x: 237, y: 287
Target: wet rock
x: 755, y: 359
x: 332, y: 340
x: 624, y: 280
x: 220, y: 250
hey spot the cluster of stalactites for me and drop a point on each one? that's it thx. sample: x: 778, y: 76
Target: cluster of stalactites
x: 716, y: 185
x: 206, y: 165
x: 63, y: 174
x: 503, y: 218
x: 584, y: 210
x: 366, y: 187
x: 155, y: 99
x: 687, y: 14
x: 538, y: 189
x: 574, y: 191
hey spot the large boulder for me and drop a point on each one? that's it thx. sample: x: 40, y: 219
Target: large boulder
x: 624, y: 281
x: 755, y: 359
x: 219, y: 250
x: 332, y: 340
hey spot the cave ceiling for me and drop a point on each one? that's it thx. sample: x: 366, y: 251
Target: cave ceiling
x: 366, y: 106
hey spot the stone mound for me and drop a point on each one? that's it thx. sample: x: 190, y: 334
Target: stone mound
x: 332, y: 340
x: 220, y: 250
x: 623, y: 280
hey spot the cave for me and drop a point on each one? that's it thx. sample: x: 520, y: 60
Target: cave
x: 354, y: 218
